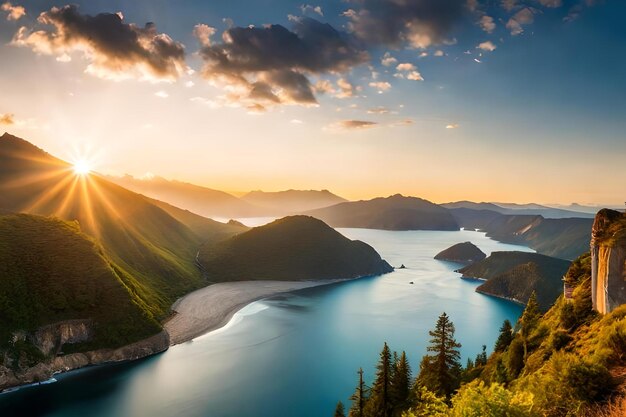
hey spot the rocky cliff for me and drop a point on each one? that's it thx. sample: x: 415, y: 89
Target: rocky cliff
x: 49, y: 340
x: 608, y: 260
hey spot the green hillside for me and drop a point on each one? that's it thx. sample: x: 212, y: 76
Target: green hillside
x: 153, y: 247
x: 392, y: 213
x: 516, y: 275
x: 292, y: 248
x: 565, y: 238
x: 50, y: 271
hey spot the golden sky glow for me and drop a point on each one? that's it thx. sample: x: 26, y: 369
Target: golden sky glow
x: 491, y: 117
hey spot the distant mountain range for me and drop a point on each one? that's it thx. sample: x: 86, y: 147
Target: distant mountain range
x: 392, y: 213
x: 521, y: 209
x: 292, y: 201
x: 214, y: 203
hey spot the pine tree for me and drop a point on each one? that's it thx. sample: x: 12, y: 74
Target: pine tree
x: 528, y: 321
x: 481, y: 358
x: 380, y: 403
x: 505, y: 338
x: 339, y: 410
x: 359, y: 398
x: 400, y: 383
x: 440, y: 372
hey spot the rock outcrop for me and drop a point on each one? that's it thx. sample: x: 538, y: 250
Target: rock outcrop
x: 608, y: 260
x: 51, y: 338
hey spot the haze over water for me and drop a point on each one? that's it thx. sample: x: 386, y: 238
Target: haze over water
x: 295, y: 354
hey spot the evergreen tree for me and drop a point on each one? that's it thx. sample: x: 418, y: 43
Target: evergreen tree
x: 505, y: 338
x: 481, y: 358
x: 400, y: 383
x: 380, y: 402
x: 359, y: 398
x: 440, y: 372
x: 339, y: 410
x: 528, y: 321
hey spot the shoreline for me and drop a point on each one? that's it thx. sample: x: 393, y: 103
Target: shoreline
x: 211, y: 308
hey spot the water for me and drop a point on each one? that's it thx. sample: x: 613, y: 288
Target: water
x: 293, y: 355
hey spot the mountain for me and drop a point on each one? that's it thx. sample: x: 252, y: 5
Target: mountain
x: 463, y: 253
x: 60, y: 292
x: 515, y: 275
x: 292, y: 248
x: 153, y: 251
x: 565, y: 238
x: 530, y: 209
x: 292, y: 201
x: 204, y: 201
x: 392, y: 213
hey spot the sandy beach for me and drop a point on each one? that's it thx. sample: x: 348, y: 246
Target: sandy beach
x: 211, y: 307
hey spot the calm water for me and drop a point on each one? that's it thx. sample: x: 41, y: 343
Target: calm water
x: 293, y: 355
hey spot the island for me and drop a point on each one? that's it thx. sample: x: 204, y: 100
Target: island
x: 462, y: 253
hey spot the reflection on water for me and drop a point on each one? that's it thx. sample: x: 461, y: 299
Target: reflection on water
x: 294, y: 354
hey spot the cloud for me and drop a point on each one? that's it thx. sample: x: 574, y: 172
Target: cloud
x: 296, y: 121
x: 352, y: 125
x: 487, y: 46
x: 308, y: 8
x: 13, y: 12
x: 487, y: 24
x: 277, y: 62
x: 7, y: 119
x: 551, y: 3
x: 438, y: 53
x: 523, y: 17
x: 116, y: 50
x: 509, y: 5
x: 381, y: 86
x: 162, y: 94
x: 378, y: 110
x: 346, y: 89
x: 388, y: 60
x: 414, y: 76
x: 411, y: 72
x: 407, y: 66
x: 452, y: 126
x: 420, y: 23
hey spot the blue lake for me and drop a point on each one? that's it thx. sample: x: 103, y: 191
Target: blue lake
x: 296, y: 354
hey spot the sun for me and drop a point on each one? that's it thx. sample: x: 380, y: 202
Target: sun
x: 82, y: 167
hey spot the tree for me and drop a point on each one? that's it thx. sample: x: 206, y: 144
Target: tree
x: 426, y: 404
x: 339, y: 410
x: 380, y: 402
x: 401, y: 382
x: 440, y: 372
x: 481, y: 358
x: 505, y: 338
x: 529, y: 320
x: 359, y: 398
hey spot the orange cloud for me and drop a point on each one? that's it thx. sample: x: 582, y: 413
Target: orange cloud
x: 116, y: 50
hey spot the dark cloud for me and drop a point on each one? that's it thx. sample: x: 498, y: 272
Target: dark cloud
x: 352, y: 125
x: 116, y: 49
x: 273, y: 62
x: 420, y: 23
x: 7, y: 119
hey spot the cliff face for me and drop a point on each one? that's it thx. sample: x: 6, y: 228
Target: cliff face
x: 51, y: 339
x: 608, y: 260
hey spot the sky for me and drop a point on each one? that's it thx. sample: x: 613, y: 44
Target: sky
x: 482, y: 100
